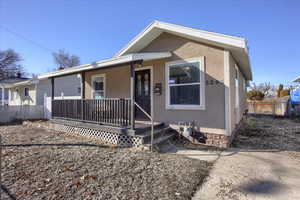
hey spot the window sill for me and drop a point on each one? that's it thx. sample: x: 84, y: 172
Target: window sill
x: 185, y: 107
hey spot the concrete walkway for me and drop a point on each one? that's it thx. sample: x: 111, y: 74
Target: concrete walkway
x: 247, y: 175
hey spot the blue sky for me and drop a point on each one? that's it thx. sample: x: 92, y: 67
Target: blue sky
x: 95, y: 30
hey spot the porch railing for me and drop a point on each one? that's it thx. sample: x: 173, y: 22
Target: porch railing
x: 108, y: 111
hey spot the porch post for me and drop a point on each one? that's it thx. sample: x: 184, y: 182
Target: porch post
x: 82, y: 85
x: 132, y: 95
x: 52, y: 88
x: 52, y: 96
x: 2, y: 96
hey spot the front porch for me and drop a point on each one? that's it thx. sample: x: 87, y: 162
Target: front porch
x: 110, y: 120
x: 116, y: 102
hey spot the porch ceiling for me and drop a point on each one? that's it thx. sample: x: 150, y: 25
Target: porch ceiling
x: 109, y: 62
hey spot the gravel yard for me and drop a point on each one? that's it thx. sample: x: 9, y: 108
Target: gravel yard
x: 269, y: 133
x: 41, y: 164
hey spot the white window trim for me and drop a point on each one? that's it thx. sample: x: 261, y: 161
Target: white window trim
x: 202, y: 84
x: 104, y: 84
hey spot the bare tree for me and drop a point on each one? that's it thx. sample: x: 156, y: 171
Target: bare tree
x: 64, y: 60
x: 9, y: 64
x: 266, y: 88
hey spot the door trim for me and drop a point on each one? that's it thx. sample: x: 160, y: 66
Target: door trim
x: 151, y: 86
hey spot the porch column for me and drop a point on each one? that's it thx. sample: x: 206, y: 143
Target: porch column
x: 52, y: 88
x: 82, y: 85
x: 2, y: 90
x: 132, y: 95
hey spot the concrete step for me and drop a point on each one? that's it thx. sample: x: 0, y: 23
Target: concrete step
x: 158, y: 132
x: 159, y: 141
x: 140, y: 131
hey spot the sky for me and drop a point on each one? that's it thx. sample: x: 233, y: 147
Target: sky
x: 95, y: 30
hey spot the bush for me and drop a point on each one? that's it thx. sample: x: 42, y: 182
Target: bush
x: 255, y: 95
x: 284, y: 93
x: 280, y: 88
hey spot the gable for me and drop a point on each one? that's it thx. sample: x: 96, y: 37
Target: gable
x: 179, y: 46
x: 236, y: 45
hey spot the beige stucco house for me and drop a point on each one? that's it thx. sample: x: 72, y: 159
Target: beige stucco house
x: 168, y: 73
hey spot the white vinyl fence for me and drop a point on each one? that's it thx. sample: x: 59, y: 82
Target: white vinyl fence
x: 47, y: 107
x: 25, y: 112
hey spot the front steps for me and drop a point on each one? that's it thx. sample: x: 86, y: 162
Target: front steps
x: 161, y: 134
x: 122, y: 137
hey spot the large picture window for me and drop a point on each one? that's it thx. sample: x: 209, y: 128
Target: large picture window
x: 98, y: 86
x: 185, y: 84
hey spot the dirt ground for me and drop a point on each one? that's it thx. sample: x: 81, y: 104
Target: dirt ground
x: 269, y: 133
x: 264, y: 165
x: 40, y: 164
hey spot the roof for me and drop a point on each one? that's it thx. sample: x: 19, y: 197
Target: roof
x: 296, y: 79
x: 108, y: 62
x: 20, y: 82
x: 236, y: 45
x: 10, y: 81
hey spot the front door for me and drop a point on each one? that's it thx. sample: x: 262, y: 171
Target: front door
x: 142, y: 92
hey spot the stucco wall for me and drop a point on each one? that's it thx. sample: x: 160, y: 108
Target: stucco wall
x: 43, y: 87
x: 118, y: 83
x: 181, y: 48
x: 68, y: 85
x: 236, y: 114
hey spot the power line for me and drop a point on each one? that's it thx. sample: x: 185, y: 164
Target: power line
x: 26, y: 39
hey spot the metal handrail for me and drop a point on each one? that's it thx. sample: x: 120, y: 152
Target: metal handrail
x: 152, y: 125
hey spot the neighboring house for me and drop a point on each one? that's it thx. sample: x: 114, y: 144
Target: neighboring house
x: 5, y: 91
x: 172, y: 73
x: 33, y: 91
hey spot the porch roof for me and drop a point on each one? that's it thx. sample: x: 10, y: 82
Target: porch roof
x: 108, y: 62
x: 296, y: 79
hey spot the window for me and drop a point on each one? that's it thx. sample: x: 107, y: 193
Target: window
x: 26, y: 92
x: 98, y: 86
x: 185, y: 84
x: 146, y: 84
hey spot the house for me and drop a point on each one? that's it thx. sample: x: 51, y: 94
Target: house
x: 169, y: 75
x: 4, y: 88
x: 33, y: 91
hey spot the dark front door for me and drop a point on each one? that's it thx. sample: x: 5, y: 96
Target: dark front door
x: 142, y: 92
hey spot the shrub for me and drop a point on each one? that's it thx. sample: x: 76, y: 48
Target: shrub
x: 284, y: 93
x: 280, y: 88
x: 255, y: 95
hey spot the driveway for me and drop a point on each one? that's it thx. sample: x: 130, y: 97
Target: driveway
x: 258, y: 175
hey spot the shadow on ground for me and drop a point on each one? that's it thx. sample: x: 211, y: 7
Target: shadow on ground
x: 7, y: 192
x: 262, y: 187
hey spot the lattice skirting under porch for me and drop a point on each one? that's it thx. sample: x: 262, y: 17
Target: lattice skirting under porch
x: 110, y: 137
